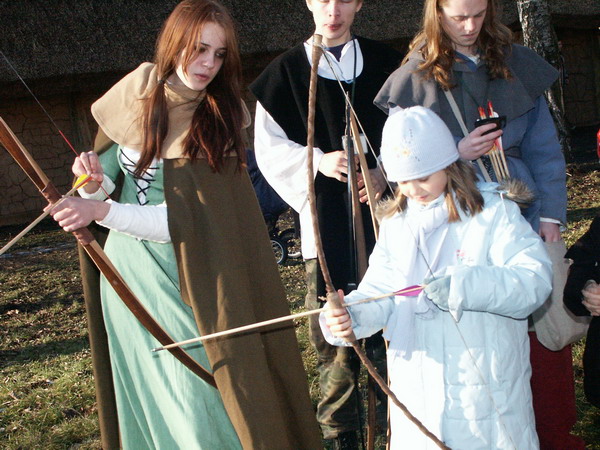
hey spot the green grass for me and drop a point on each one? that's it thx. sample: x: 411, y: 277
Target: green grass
x: 46, y: 392
x: 46, y: 386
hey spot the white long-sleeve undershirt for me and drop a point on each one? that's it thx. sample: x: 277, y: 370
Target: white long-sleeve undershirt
x: 147, y: 222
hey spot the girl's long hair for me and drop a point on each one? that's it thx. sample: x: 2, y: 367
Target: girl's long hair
x: 216, y: 126
x: 494, y: 41
x: 461, y: 187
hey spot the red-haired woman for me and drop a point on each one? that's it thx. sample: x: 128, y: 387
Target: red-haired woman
x: 188, y: 237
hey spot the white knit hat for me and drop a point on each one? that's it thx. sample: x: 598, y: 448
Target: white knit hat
x: 415, y: 144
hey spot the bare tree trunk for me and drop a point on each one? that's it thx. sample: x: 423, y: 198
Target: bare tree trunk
x: 539, y: 35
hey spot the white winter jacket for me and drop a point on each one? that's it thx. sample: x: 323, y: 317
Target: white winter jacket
x: 464, y: 373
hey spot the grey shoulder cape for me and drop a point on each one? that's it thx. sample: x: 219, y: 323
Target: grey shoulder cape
x: 532, y: 75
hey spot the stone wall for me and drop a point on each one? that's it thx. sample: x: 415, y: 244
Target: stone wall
x: 581, y: 51
x: 20, y: 201
x: 19, y: 198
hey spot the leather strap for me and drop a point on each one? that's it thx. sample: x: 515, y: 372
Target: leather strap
x: 465, y: 131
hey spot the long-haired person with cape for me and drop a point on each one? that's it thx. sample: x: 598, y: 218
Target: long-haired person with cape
x: 188, y: 237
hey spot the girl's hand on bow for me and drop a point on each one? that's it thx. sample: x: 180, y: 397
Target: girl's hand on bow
x: 338, y: 320
x: 74, y: 213
x: 438, y: 291
x: 476, y: 144
x: 88, y: 163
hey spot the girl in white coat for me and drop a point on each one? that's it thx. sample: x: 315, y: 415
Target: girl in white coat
x: 459, y: 354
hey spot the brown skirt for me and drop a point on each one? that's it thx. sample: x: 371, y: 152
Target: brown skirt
x: 229, y: 276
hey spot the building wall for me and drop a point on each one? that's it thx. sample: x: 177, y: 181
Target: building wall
x: 20, y: 201
x: 581, y: 51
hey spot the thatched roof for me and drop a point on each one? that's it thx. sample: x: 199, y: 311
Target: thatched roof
x: 70, y: 40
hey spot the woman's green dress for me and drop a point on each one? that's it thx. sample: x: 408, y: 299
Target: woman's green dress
x: 161, y: 403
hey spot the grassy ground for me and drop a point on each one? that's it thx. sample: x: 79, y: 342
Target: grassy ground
x: 46, y: 387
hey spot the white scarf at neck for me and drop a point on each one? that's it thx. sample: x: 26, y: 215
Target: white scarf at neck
x: 424, y: 232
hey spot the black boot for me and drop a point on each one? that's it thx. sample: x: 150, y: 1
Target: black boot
x: 346, y: 441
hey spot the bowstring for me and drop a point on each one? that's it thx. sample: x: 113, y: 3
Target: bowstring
x: 38, y: 102
x: 429, y: 268
x: 54, y: 124
x: 353, y: 111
